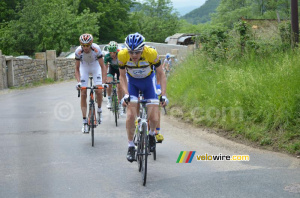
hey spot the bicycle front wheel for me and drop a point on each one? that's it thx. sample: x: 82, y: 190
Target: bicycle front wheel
x: 92, y: 119
x: 146, y: 150
x: 116, y: 110
x: 140, y: 156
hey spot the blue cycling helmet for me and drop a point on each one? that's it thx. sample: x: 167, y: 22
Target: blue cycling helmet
x: 167, y: 55
x: 135, y: 42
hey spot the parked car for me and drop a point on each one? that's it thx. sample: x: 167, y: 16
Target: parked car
x: 71, y: 55
x: 24, y: 57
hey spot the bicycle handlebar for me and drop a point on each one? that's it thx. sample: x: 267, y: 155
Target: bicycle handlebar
x: 93, y: 87
x: 113, y: 83
x: 147, y: 101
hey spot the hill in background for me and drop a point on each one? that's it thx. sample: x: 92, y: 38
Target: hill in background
x: 201, y: 14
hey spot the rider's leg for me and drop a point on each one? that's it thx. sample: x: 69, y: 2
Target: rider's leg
x: 153, y: 120
x: 131, y: 115
x: 120, y: 93
x: 110, y: 75
x: 99, y: 97
x: 97, y: 77
x: 109, y: 79
x: 158, y: 123
x: 153, y: 116
x: 84, y: 79
x: 83, y: 102
x: 119, y: 87
x: 84, y: 111
x: 149, y: 92
x: 130, y: 128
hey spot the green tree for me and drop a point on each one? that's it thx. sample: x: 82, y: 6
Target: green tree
x: 8, y: 9
x: 157, y: 20
x: 113, y: 20
x: 44, y: 25
x: 230, y: 11
x: 88, y: 4
x: 268, y: 9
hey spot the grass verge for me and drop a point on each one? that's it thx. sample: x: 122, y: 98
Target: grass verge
x: 255, y: 97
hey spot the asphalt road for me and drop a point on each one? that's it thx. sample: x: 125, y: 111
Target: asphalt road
x: 44, y: 154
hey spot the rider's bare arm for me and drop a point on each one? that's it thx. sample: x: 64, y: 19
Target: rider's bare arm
x: 162, y: 78
x: 123, y: 81
x: 103, y: 69
x: 77, y: 72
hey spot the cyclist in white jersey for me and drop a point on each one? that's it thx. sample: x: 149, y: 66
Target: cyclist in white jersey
x: 89, y: 60
x: 167, y: 63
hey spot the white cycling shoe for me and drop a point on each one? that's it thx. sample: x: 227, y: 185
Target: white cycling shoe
x: 108, y: 104
x: 85, y: 128
x: 99, y: 118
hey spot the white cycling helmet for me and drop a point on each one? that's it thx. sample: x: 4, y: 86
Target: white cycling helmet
x: 86, y: 39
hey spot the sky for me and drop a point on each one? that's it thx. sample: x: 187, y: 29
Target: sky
x: 185, y: 6
x: 187, y: 3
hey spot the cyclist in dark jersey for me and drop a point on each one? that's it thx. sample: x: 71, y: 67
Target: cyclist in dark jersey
x: 111, y: 62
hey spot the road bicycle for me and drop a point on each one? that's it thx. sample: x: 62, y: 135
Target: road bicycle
x: 141, y: 97
x: 92, y: 119
x: 141, y: 138
x: 114, y: 100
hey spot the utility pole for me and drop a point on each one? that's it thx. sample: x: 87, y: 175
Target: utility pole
x: 294, y: 22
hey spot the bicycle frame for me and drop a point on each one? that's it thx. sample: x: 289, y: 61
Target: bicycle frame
x: 92, y: 120
x: 115, y: 102
x: 142, y: 138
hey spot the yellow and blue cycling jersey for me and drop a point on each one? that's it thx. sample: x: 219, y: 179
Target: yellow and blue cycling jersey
x: 142, y: 68
x: 140, y: 75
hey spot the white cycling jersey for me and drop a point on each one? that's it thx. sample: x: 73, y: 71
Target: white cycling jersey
x: 166, y: 61
x: 89, y: 64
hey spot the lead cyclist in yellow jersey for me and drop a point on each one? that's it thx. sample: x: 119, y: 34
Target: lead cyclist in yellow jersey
x: 136, y: 74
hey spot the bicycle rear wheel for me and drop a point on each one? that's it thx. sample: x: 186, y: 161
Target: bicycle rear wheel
x: 92, y: 120
x: 154, y: 153
x: 146, y: 150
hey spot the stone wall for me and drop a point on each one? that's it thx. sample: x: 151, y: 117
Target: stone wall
x: 19, y: 72
x: 3, y: 73
x: 65, y: 68
x: 180, y: 51
x: 27, y: 71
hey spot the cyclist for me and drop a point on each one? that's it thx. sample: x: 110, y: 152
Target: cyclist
x: 111, y: 62
x: 89, y: 60
x: 167, y: 63
x: 138, y: 59
x: 158, y: 135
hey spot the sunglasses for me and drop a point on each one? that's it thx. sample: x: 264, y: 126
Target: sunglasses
x: 85, y: 45
x: 135, y: 52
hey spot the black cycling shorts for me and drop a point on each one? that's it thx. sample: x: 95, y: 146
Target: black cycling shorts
x: 112, y: 71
